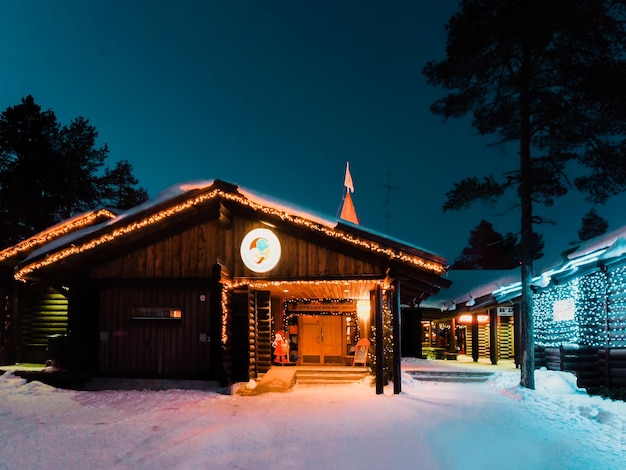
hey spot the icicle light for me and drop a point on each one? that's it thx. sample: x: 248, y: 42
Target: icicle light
x: 599, y: 315
x: 56, y: 231
x: 549, y: 332
x: 202, y: 198
x: 261, y: 285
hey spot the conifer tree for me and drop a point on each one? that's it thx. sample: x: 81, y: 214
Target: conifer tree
x: 547, y: 75
x: 50, y: 172
x: 593, y: 225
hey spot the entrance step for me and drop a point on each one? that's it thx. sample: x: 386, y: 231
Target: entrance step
x: 449, y: 376
x: 330, y: 375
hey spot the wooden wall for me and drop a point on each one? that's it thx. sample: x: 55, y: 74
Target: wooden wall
x: 169, y: 348
x: 192, y: 252
x: 179, y: 261
x: 42, y: 314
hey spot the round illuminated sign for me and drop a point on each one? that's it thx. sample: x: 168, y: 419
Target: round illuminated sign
x: 260, y: 250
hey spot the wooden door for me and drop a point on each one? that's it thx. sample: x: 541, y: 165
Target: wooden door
x: 321, y: 339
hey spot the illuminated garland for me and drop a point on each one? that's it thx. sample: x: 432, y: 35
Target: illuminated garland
x: 74, y: 249
x: 56, y: 232
x: 202, y: 198
x: 265, y: 284
x: 550, y: 333
x: 225, y: 309
x: 600, y: 311
x: 288, y: 316
x: 616, y: 309
x: 387, y: 339
x: 375, y: 247
x: 592, y: 313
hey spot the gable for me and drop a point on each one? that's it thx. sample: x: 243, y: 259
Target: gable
x: 193, y: 251
x: 185, y: 235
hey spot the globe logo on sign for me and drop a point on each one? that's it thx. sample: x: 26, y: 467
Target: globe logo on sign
x: 260, y: 250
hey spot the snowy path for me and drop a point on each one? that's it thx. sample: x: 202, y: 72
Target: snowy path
x: 494, y: 424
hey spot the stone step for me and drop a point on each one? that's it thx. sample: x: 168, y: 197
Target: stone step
x: 450, y: 376
x: 330, y: 375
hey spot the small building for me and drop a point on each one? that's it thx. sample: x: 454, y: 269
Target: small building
x: 475, y: 317
x: 579, y: 313
x: 197, y: 283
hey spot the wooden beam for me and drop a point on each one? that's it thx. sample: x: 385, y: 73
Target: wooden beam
x: 493, y: 335
x: 397, y: 335
x: 376, y: 302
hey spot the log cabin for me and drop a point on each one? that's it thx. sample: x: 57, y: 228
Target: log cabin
x: 196, y: 283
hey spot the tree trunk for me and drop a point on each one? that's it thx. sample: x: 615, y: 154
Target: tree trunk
x: 526, y: 306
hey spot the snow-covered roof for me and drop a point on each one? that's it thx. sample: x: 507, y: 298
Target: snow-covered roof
x: 55, y: 232
x: 604, y: 241
x: 506, y: 285
x: 469, y: 285
x: 189, y: 194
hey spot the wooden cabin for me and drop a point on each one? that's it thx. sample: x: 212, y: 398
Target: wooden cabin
x: 579, y: 313
x: 476, y: 317
x: 197, y: 282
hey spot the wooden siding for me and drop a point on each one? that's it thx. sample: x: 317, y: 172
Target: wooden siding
x: 192, y: 253
x: 505, y: 336
x: 155, y: 348
x: 263, y: 339
x: 42, y: 314
x: 239, y: 338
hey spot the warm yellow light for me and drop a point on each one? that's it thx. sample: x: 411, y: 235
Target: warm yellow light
x: 203, y: 198
x: 467, y: 318
x: 363, y: 309
x: 57, y: 231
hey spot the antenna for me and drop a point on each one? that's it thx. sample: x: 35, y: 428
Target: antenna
x: 389, y: 187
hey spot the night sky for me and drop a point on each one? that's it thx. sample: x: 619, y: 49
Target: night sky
x: 275, y: 96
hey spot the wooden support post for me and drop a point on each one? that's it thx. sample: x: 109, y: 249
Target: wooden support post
x: 396, y: 324
x: 376, y: 302
x: 493, y: 336
x: 475, y: 351
x: 517, y: 336
x: 217, y: 370
x: 453, y: 338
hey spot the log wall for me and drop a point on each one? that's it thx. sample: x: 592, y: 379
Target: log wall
x: 43, y: 314
x: 155, y: 347
x: 192, y: 252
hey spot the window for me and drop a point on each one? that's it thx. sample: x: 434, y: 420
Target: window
x: 156, y: 313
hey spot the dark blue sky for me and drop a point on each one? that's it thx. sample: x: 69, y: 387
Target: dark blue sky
x: 273, y: 95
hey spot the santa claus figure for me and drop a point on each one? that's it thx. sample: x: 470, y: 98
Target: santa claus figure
x: 281, y: 348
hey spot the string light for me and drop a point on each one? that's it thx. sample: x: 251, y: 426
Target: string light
x: 599, y: 311
x: 215, y: 193
x: 266, y: 284
x: 57, y: 231
x: 329, y: 311
x: 548, y: 332
x: 225, y: 302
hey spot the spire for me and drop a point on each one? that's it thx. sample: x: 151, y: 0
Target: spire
x: 348, y: 212
x: 347, y: 181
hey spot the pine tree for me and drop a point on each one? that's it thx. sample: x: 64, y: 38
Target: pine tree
x: 50, y: 172
x: 592, y: 225
x: 548, y: 75
x: 487, y: 249
x: 120, y: 185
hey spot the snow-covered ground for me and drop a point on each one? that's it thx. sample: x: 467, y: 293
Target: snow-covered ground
x: 430, y: 425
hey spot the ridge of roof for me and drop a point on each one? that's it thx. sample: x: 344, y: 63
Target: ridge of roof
x: 178, y: 198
